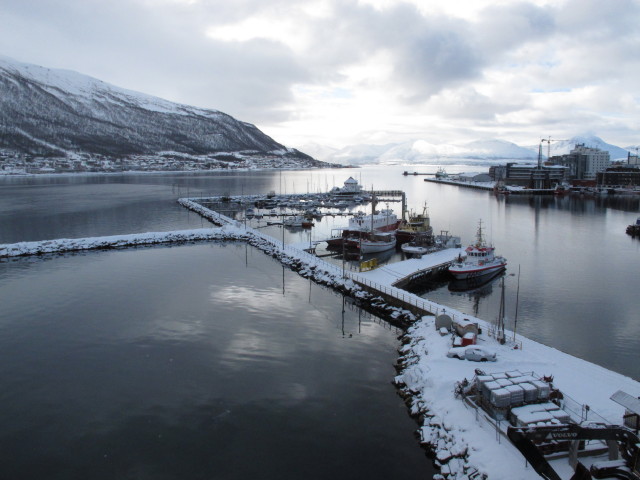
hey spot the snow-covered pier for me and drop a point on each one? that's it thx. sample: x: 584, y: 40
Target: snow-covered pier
x: 376, y: 290
x: 384, y: 282
x: 491, y: 186
x: 401, y: 274
x: 62, y: 245
x: 459, y: 183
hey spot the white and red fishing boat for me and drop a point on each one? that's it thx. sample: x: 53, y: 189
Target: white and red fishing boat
x: 479, y: 259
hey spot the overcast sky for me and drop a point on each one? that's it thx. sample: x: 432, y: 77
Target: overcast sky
x: 342, y: 72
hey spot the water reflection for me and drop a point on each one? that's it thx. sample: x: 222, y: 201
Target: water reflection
x: 477, y: 286
x: 576, y: 203
x: 126, y: 364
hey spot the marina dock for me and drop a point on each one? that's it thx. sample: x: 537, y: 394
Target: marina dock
x: 402, y: 273
x: 490, y: 186
x: 384, y: 282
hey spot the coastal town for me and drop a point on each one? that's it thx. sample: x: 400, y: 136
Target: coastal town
x: 583, y: 170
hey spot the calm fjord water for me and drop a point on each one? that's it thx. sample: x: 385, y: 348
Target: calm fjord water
x: 191, y: 362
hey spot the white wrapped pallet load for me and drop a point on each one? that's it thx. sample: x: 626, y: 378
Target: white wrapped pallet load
x: 534, y: 418
x: 561, y: 416
x: 503, y: 382
x: 501, y: 397
x: 481, y: 381
x: 530, y: 392
x: 517, y: 394
x: 543, y: 389
x: 488, y: 388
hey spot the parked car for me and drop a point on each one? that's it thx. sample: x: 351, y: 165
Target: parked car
x: 473, y: 353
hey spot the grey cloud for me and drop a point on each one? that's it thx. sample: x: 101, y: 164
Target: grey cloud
x: 599, y: 20
x: 507, y: 27
x: 435, y: 60
x: 467, y: 103
x: 427, y: 52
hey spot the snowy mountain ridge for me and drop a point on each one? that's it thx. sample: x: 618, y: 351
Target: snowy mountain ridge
x: 562, y: 147
x: 479, y: 151
x: 49, y: 112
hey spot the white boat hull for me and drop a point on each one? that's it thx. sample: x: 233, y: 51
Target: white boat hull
x: 367, y: 246
x: 414, y: 250
x: 463, y: 272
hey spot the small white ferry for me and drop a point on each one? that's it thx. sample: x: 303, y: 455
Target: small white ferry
x: 479, y: 260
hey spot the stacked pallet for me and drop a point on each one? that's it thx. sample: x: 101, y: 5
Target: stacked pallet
x: 511, y: 389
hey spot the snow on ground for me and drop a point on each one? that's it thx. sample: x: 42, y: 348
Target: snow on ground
x: 388, y: 274
x: 464, y: 441
x: 117, y: 241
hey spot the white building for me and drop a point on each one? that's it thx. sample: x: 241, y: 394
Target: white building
x: 596, y: 160
x: 351, y: 188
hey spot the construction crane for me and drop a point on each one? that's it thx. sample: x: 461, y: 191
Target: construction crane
x: 549, y: 140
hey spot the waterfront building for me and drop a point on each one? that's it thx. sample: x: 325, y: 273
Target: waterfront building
x: 597, y: 160
x: 474, y: 177
x: 529, y: 175
x: 583, y: 162
x: 350, y: 188
x: 619, y: 176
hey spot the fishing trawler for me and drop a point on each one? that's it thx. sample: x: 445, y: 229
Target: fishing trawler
x: 360, y: 225
x: 479, y: 259
x: 418, y: 225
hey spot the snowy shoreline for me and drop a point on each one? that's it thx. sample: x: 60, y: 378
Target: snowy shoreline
x: 464, y: 444
x: 63, y: 245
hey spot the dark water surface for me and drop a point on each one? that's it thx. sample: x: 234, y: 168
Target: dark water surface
x: 193, y: 362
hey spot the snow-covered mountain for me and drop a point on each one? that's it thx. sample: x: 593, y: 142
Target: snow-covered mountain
x: 562, y: 147
x: 479, y: 151
x: 360, y: 154
x: 63, y: 113
x: 421, y: 151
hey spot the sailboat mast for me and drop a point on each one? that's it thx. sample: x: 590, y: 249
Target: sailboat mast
x: 515, y: 321
x: 501, y: 314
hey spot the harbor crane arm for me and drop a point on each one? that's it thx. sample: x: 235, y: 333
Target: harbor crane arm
x: 549, y: 140
x: 525, y: 439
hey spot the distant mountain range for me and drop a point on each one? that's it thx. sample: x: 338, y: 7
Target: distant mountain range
x: 480, y: 151
x: 59, y: 113
x: 46, y: 113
